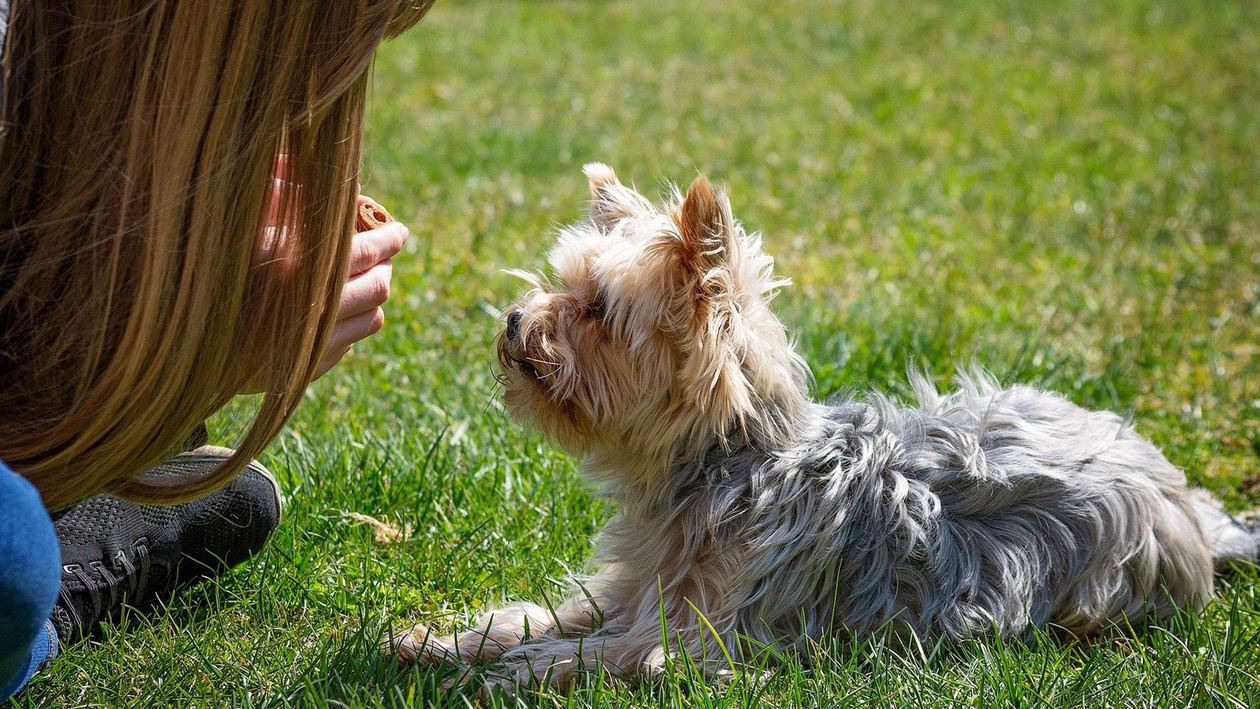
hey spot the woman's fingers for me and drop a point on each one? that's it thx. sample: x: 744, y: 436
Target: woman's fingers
x: 347, y: 332
x: 359, y: 313
x: 366, y: 291
x: 330, y: 360
x: 371, y: 247
x: 351, y: 330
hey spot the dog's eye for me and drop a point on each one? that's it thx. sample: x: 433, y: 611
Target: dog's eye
x: 595, y: 308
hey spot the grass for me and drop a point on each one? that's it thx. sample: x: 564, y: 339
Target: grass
x: 1067, y: 192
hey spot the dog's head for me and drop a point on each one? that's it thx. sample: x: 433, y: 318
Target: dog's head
x: 653, y: 329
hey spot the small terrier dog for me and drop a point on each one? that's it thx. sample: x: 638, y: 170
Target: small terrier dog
x: 751, y: 516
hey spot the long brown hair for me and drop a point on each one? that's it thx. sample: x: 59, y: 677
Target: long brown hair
x: 138, y: 144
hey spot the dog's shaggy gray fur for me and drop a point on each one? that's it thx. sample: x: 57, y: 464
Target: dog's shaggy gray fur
x: 987, y: 510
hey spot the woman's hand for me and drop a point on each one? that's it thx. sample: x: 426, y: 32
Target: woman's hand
x: 359, y: 313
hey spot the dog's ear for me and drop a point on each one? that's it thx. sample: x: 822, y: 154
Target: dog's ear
x: 700, y: 256
x: 711, y: 372
x: 611, y: 201
x: 601, y: 178
x: 705, y: 226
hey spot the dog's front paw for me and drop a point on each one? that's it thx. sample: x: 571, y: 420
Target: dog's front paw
x: 537, y: 672
x: 418, y: 646
x: 520, y: 674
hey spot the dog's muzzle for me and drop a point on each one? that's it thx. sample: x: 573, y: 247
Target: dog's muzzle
x: 512, y: 348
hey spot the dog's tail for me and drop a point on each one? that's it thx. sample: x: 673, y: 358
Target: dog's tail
x: 1232, y: 540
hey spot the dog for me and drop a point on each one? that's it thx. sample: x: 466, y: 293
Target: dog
x: 749, y: 516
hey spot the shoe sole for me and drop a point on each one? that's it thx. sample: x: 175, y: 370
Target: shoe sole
x: 281, y: 503
x: 220, y: 453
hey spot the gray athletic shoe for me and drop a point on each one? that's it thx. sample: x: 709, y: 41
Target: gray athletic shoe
x: 116, y: 553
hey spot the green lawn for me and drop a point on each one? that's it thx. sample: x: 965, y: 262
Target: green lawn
x: 1068, y: 193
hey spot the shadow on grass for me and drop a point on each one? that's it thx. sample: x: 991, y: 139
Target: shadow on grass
x: 1188, y: 659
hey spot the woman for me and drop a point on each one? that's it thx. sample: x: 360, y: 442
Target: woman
x: 177, y: 189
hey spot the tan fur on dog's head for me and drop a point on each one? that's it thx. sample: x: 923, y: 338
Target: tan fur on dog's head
x: 654, y: 336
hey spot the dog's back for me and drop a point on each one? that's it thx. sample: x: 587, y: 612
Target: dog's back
x: 987, y: 509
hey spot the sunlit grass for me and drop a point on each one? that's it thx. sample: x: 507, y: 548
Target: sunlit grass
x: 1067, y: 192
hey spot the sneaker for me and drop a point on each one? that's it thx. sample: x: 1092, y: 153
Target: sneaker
x: 116, y: 553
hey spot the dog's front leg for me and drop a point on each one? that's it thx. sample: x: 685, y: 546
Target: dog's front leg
x: 611, y: 652
x: 497, y: 632
x: 556, y: 661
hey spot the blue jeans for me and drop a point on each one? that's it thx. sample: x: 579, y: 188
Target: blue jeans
x: 30, y: 575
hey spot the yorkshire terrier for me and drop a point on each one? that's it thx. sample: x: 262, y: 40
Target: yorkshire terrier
x: 750, y: 517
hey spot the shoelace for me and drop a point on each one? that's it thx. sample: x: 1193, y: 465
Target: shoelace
x: 132, y: 581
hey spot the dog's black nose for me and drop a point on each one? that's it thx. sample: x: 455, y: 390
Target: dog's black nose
x: 513, y: 324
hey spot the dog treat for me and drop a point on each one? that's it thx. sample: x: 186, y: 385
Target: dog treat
x: 371, y: 215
